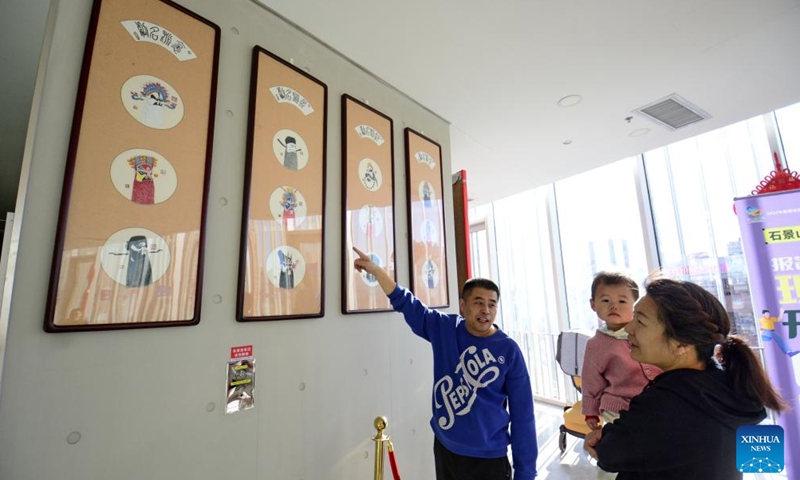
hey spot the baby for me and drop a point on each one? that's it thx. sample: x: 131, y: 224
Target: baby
x: 610, y: 377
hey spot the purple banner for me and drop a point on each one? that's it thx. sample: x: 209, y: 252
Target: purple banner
x: 770, y: 226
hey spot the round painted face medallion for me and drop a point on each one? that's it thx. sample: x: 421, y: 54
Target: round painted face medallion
x: 290, y: 149
x: 135, y: 257
x: 288, y: 206
x: 286, y: 267
x: 426, y: 193
x: 430, y: 274
x: 152, y: 102
x: 430, y: 234
x: 370, y: 174
x: 370, y: 220
x: 143, y: 176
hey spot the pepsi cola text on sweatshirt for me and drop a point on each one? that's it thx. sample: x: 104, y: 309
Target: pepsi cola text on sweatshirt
x: 482, y: 399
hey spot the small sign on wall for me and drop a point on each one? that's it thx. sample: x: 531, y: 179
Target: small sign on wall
x: 241, y: 381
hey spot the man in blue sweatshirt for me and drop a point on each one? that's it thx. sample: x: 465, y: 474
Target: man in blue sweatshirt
x: 482, y: 399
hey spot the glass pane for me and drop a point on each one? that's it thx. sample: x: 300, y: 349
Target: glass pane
x: 602, y: 234
x: 692, y: 185
x: 524, y: 261
x: 479, y: 242
x: 479, y: 253
x: 789, y: 127
x: 529, y: 312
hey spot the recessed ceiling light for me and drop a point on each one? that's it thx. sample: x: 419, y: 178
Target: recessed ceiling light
x: 639, y: 132
x: 569, y: 101
x: 567, y: 142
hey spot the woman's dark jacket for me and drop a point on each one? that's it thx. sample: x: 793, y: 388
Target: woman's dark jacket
x: 681, y: 427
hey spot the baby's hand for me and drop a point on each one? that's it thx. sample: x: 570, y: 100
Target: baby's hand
x: 593, y: 421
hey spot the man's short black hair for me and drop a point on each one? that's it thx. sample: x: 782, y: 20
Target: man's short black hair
x: 474, y: 283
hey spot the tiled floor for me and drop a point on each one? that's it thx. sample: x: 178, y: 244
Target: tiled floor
x: 575, y: 463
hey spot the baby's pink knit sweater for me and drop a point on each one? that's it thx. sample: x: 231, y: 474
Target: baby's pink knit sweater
x: 610, y: 377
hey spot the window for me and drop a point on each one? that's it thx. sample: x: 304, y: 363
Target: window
x: 479, y: 249
x: 692, y: 185
x: 544, y: 246
x: 602, y: 234
x: 789, y: 128
x: 528, y: 301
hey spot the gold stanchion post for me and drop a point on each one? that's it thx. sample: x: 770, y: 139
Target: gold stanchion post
x: 379, y: 438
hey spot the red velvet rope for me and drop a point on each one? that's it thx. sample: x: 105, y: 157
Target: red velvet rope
x: 393, y: 462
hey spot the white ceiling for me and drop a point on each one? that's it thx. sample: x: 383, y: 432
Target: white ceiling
x: 495, y: 71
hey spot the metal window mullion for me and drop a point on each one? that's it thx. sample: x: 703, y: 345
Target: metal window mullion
x: 678, y: 226
x: 648, y: 225
x: 774, y: 138
x: 558, y: 261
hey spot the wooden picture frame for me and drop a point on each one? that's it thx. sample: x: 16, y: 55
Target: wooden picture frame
x: 131, y: 226
x: 281, y: 268
x: 426, y: 219
x: 368, y: 203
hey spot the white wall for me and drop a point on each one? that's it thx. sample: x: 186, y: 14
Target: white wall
x: 140, y: 399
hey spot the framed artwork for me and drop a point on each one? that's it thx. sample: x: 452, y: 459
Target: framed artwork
x: 424, y: 188
x: 131, y: 226
x: 283, y: 219
x: 368, y: 203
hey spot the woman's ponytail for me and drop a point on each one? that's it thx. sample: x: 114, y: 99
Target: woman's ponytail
x: 746, y: 374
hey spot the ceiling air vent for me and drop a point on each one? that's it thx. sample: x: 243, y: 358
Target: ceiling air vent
x: 673, y: 112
